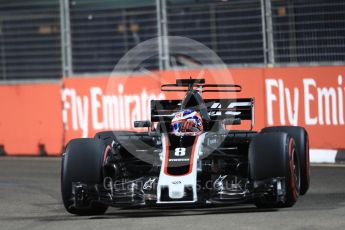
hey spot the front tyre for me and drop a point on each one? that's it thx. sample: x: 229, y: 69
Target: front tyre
x: 82, y: 162
x: 300, y: 136
x: 273, y: 155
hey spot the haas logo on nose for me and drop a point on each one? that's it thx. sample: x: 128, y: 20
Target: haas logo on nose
x: 176, y: 182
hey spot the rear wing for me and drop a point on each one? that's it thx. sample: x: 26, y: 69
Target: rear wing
x: 210, y: 109
x: 184, y: 85
x: 217, y: 109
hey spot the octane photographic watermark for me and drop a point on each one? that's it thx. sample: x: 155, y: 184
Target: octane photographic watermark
x: 187, y: 58
x: 221, y: 183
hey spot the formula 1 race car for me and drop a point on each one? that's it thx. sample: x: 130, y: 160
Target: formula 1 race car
x: 191, y: 153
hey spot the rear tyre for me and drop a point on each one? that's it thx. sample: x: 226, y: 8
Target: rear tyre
x: 300, y: 136
x: 274, y: 155
x: 82, y: 162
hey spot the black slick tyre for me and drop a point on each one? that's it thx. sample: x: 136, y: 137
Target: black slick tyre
x: 82, y: 162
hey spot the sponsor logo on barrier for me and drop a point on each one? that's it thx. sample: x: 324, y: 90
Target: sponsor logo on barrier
x: 322, y: 105
x: 100, y: 111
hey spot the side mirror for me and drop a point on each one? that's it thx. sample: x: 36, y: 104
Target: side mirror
x: 232, y: 121
x: 142, y: 124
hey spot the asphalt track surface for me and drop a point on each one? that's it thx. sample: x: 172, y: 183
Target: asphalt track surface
x: 30, y: 199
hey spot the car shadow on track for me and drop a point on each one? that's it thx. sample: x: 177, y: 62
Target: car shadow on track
x: 312, y: 201
x: 120, y: 213
x: 177, y: 211
x: 56, y: 212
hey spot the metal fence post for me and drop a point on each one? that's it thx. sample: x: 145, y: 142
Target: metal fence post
x: 263, y: 24
x: 165, y: 35
x: 162, y: 28
x: 66, y: 43
x: 159, y: 34
x: 269, y: 32
x: 292, y: 32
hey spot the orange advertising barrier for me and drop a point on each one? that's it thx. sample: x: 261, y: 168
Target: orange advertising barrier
x: 30, y: 119
x: 36, y: 117
x: 311, y: 97
x: 102, y: 103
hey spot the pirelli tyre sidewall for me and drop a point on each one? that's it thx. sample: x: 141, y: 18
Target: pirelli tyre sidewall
x: 82, y: 162
x: 300, y: 136
x: 273, y: 155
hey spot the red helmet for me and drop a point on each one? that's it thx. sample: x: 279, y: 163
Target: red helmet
x: 187, y: 122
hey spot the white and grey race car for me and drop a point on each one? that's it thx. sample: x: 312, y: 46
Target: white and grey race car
x: 215, y: 164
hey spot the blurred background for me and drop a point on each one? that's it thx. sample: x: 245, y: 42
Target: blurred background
x: 46, y: 39
x: 52, y: 52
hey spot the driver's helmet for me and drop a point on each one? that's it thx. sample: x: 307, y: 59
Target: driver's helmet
x: 187, y: 123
